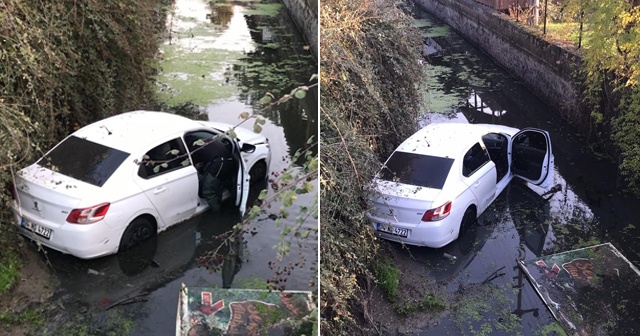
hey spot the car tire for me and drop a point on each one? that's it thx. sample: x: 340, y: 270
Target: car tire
x: 138, y: 231
x: 258, y: 172
x: 468, y: 219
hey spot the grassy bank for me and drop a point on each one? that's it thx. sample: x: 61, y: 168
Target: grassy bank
x: 370, y: 78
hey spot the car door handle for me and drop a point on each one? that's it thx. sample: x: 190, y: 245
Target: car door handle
x: 475, y: 185
x: 159, y: 190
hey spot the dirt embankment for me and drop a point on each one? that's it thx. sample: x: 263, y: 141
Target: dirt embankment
x: 415, y: 283
x: 35, y: 287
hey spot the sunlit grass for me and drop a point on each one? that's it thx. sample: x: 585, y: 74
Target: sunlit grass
x: 567, y: 31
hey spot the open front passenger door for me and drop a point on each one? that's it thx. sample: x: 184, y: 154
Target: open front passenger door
x: 531, y: 157
x: 242, y: 177
x: 242, y: 180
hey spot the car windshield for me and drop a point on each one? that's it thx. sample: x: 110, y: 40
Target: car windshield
x: 416, y: 169
x: 84, y: 160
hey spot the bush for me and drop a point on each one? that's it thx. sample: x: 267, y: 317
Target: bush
x: 64, y: 64
x: 370, y: 76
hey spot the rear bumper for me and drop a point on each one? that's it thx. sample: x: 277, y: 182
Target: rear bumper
x: 83, y: 241
x: 432, y: 234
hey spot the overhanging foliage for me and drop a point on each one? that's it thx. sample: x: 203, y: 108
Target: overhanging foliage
x: 370, y: 78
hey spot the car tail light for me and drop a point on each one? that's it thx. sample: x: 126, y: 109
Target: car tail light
x: 438, y: 213
x: 88, y: 215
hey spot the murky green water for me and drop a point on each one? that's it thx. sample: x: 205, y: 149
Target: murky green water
x: 223, y: 56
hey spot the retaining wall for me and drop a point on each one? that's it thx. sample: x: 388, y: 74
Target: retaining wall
x: 305, y: 14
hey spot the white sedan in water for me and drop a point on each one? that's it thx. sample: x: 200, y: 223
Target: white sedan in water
x: 114, y: 183
x: 438, y: 181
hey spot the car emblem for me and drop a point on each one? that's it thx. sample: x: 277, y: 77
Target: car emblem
x: 35, y: 206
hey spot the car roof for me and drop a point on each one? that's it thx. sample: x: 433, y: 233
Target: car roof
x: 134, y: 130
x: 443, y: 139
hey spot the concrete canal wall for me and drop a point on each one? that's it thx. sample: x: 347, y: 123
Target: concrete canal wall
x: 546, y: 69
x: 305, y: 14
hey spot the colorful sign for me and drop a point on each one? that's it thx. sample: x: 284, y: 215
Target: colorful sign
x: 215, y: 311
x: 590, y: 291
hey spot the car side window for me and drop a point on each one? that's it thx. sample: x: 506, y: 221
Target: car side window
x: 191, y: 139
x: 475, y: 158
x: 193, y: 144
x: 164, y: 158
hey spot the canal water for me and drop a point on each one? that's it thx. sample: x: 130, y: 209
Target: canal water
x: 478, y: 273
x: 219, y: 59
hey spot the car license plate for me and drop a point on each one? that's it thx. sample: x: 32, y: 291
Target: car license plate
x: 39, y: 230
x: 393, y: 230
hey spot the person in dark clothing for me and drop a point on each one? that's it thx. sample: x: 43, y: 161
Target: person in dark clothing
x: 217, y: 168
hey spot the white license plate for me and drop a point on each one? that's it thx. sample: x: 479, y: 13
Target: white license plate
x: 393, y: 230
x: 39, y: 230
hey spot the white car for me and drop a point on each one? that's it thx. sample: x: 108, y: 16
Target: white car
x: 438, y: 181
x: 114, y: 183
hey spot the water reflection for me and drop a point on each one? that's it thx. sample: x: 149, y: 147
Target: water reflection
x: 476, y: 104
x: 279, y: 63
x: 221, y: 12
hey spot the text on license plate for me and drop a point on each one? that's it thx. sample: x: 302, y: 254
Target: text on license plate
x: 39, y: 230
x: 393, y: 230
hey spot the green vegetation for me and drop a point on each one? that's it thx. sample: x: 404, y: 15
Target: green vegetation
x: 370, y: 103
x: 195, y: 77
x: 553, y: 328
x: 387, y: 276
x: 9, y: 260
x: 29, y: 317
x: 484, y: 310
x: 610, y: 47
x: 429, y: 303
x: 564, y: 31
x: 267, y: 9
x: 114, y: 326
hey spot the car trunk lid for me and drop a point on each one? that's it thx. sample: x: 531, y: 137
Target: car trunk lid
x: 43, y: 193
x: 402, y: 203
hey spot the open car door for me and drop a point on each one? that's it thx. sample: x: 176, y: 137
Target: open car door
x: 242, y: 177
x: 531, y: 158
x: 242, y: 180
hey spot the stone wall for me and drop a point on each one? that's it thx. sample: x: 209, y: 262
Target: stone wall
x: 305, y: 14
x: 546, y: 69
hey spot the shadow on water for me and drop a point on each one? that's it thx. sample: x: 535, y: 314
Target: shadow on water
x: 222, y: 56
x: 586, y: 208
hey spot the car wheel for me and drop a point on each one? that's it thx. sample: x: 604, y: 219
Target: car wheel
x: 138, y: 231
x: 467, y: 220
x: 258, y: 172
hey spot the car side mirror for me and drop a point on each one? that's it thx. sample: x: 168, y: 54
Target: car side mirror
x: 247, y: 148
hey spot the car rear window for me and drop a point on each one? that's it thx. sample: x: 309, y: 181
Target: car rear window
x: 84, y: 160
x: 415, y: 169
